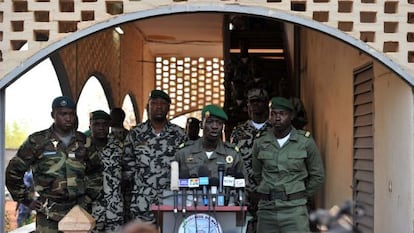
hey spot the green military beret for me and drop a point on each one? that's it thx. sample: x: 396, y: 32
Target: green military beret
x: 160, y: 94
x: 63, y: 102
x: 281, y: 103
x: 214, y: 110
x: 257, y: 94
x: 99, y: 115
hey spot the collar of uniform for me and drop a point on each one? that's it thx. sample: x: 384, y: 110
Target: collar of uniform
x: 293, y: 134
x: 198, y: 147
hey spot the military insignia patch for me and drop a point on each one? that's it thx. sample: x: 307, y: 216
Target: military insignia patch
x: 190, y: 158
x: 236, y: 149
x: 307, y: 134
x: 229, y: 159
x: 207, y: 114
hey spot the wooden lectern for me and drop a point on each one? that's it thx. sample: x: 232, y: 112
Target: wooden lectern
x: 231, y: 219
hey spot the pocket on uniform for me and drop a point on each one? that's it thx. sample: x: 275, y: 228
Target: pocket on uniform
x: 294, y: 187
x: 269, y: 161
x: 296, y: 160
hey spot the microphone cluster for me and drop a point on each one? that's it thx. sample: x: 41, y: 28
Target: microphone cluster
x: 205, y: 190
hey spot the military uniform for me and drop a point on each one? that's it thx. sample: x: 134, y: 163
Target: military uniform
x: 243, y: 137
x: 192, y: 155
x: 63, y: 175
x: 286, y: 176
x: 108, y: 209
x: 147, y: 157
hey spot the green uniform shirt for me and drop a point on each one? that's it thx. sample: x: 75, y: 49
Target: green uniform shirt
x: 193, y: 155
x: 294, y: 167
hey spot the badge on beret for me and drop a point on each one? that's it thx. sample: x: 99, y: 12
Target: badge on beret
x: 207, y: 114
x: 229, y: 159
x: 63, y: 103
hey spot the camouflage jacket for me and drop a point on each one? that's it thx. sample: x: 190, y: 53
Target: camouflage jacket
x: 108, y: 208
x: 243, y: 137
x: 61, y: 174
x: 146, y: 167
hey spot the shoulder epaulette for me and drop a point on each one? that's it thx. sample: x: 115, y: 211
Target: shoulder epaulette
x: 307, y: 134
x: 88, y: 142
x: 232, y: 146
x: 181, y: 145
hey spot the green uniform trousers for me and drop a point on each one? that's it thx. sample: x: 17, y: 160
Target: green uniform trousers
x: 272, y: 219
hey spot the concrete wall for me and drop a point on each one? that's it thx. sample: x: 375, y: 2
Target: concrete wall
x: 327, y: 92
x: 394, y: 160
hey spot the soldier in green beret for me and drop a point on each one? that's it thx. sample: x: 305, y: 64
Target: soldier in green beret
x: 210, y: 150
x: 288, y: 169
x: 148, y: 150
x: 64, y: 173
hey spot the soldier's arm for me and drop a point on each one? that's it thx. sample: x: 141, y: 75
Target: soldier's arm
x: 94, y: 177
x: 256, y: 164
x: 15, y: 170
x: 316, y: 173
x: 128, y: 169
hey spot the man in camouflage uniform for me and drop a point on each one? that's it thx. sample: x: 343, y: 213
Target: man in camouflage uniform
x: 107, y: 209
x: 210, y: 150
x: 148, y: 150
x: 288, y: 169
x: 243, y: 137
x: 64, y: 173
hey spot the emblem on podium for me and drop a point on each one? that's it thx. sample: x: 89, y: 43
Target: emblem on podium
x: 200, y: 223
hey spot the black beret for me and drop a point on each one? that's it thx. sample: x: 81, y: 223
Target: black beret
x: 99, y: 115
x: 63, y: 102
x: 214, y: 110
x: 257, y: 94
x: 281, y: 103
x: 160, y: 94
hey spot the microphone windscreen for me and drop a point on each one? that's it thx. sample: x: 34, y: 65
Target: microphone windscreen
x: 214, y: 181
x: 203, y: 171
x: 184, y: 174
x: 174, y: 182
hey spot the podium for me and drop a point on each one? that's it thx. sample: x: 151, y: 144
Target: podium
x: 221, y: 219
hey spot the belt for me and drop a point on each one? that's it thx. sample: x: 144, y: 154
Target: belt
x: 281, y: 195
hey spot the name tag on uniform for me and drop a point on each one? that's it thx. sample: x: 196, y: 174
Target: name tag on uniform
x: 49, y: 153
x: 71, y: 155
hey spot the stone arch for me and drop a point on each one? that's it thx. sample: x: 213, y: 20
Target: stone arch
x: 193, y: 8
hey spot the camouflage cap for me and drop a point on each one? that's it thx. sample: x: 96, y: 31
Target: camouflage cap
x: 160, y: 94
x: 63, y: 102
x: 257, y: 93
x: 281, y: 103
x: 214, y: 110
x: 99, y: 115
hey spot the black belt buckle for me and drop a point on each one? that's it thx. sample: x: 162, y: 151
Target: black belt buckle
x: 279, y: 196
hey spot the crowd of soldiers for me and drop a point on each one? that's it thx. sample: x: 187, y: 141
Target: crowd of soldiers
x: 117, y: 174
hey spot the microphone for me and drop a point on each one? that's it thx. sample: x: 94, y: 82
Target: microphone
x: 203, y: 179
x: 174, y: 183
x: 228, y: 182
x: 240, y: 184
x: 193, y: 183
x: 214, y: 182
x: 220, y: 196
x: 183, y: 184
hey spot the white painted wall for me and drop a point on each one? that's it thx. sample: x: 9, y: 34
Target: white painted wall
x: 394, y: 160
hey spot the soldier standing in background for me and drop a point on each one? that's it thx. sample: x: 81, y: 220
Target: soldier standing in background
x: 149, y: 149
x: 107, y: 209
x: 64, y: 173
x: 288, y: 169
x: 117, y: 123
x: 243, y: 137
x: 192, y: 128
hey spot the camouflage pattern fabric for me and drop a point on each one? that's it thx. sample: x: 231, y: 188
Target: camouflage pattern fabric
x: 146, y: 167
x: 63, y: 176
x: 243, y: 137
x: 108, y: 208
